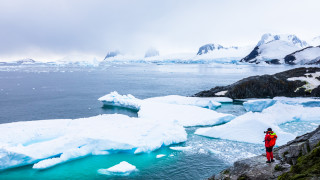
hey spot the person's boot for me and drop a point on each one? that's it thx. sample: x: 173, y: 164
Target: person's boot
x: 268, y: 161
x: 272, y: 160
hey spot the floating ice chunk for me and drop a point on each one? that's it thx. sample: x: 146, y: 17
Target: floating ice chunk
x: 115, y: 99
x: 184, y: 115
x: 181, y: 148
x: 214, y: 151
x: 123, y: 169
x: 258, y: 105
x: 160, y: 155
x: 202, y: 151
x: 38, y: 141
x: 182, y: 100
x: 250, y: 126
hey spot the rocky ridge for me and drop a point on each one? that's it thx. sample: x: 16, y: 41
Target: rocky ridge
x: 291, y: 83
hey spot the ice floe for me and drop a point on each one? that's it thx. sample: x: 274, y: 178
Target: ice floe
x: 257, y: 105
x: 250, y: 126
x: 186, y: 111
x: 123, y: 169
x: 181, y: 148
x: 50, y: 142
x: 183, y: 100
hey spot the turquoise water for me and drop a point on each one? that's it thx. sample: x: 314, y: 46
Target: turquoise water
x: 34, y: 93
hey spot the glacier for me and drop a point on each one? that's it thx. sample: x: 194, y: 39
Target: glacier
x: 50, y: 142
x: 187, y: 111
x: 250, y: 126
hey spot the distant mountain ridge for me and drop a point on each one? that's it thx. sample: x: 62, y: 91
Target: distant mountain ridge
x: 266, y: 38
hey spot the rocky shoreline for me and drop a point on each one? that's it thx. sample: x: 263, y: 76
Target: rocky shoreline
x: 292, y: 83
x: 291, y: 162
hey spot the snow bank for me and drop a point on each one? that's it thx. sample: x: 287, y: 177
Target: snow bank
x: 186, y: 111
x: 124, y: 169
x: 50, y: 142
x: 250, y: 126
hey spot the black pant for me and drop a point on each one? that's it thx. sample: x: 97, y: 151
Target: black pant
x: 269, y: 149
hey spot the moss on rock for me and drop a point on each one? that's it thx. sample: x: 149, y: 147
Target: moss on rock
x: 307, y: 167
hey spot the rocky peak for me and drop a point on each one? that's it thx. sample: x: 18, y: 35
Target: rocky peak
x: 210, y: 47
x: 112, y: 54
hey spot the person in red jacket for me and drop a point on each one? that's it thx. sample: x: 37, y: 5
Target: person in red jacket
x: 270, y: 141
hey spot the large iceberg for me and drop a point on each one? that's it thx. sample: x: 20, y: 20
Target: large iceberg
x: 50, y: 142
x: 186, y: 111
x: 250, y: 126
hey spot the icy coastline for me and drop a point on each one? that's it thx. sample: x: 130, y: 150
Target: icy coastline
x: 161, y: 121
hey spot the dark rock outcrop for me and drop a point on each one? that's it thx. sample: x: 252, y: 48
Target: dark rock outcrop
x: 267, y: 86
x: 252, y: 55
x: 112, y: 54
x: 285, y: 156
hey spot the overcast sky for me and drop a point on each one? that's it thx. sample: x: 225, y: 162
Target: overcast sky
x: 53, y: 28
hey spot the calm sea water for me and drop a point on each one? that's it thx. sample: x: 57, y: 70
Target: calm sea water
x: 35, y: 93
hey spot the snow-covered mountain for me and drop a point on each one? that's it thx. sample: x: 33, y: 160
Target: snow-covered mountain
x: 315, y: 41
x: 212, y: 47
x: 151, y: 52
x: 309, y: 55
x: 283, y: 37
x: 273, y: 48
